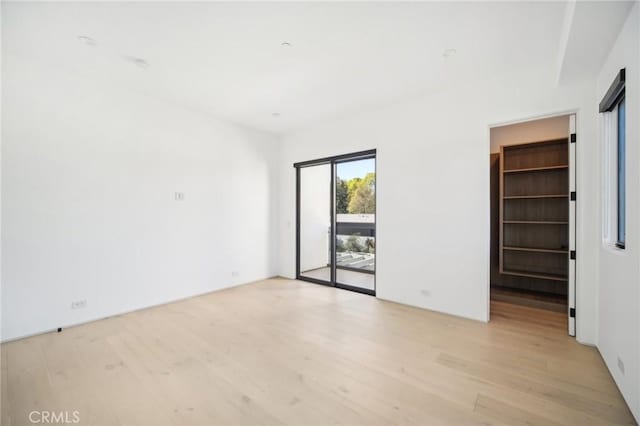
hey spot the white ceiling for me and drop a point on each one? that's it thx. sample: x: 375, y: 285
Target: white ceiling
x: 226, y: 58
x: 593, y: 28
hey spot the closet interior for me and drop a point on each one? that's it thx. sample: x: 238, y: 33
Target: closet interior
x: 530, y: 223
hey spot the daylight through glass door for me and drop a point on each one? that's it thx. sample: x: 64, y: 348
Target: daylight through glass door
x: 336, y: 221
x: 355, y: 237
x: 314, y: 221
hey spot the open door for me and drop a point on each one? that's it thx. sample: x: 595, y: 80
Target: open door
x: 533, y: 216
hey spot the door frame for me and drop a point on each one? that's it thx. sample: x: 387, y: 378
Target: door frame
x: 572, y: 282
x: 332, y: 161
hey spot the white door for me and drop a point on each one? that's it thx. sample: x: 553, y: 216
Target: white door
x: 572, y: 225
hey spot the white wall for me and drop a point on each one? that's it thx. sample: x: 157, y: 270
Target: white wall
x: 619, y: 292
x: 1, y: 149
x: 531, y: 131
x: 315, y: 216
x: 432, y: 171
x: 88, y: 211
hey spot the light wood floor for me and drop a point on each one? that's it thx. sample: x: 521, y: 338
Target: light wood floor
x: 548, y: 302
x: 288, y: 352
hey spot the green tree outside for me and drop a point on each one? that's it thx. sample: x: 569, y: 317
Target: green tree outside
x: 342, y: 196
x: 357, y: 195
x: 363, y: 198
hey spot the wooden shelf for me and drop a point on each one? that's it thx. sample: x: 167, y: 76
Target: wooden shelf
x: 535, y: 222
x: 532, y: 231
x: 537, y: 250
x: 552, y: 277
x: 527, y: 197
x: 536, y: 169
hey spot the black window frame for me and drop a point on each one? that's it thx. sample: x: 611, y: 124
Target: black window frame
x: 621, y: 188
x: 333, y: 161
x: 614, y: 100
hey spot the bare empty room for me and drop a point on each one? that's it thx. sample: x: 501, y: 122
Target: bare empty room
x: 252, y: 213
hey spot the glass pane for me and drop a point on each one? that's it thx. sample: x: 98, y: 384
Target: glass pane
x: 356, y: 223
x: 621, y: 172
x: 315, y: 222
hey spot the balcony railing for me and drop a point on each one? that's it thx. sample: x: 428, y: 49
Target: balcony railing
x: 356, y: 242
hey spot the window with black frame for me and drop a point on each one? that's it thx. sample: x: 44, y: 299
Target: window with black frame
x: 621, y: 198
x: 614, y: 106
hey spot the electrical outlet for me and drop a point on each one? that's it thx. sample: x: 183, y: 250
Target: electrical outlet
x: 79, y: 304
x: 621, y: 366
x: 235, y: 274
x: 179, y: 196
x: 425, y: 292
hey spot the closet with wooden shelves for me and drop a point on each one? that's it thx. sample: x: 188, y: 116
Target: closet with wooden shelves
x: 534, y: 216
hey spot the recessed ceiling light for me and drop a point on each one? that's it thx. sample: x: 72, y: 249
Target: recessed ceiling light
x: 449, y: 52
x: 139, y: 62
x: 87, y: 40
x: 275, y: 114
x: 285, y: 44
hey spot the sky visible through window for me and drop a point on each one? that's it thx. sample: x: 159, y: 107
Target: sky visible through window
x: 359, y: 168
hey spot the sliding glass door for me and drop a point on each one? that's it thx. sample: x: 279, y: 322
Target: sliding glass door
x: 356, y: 223
x: 314, y: 221
x: 336, y: 221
